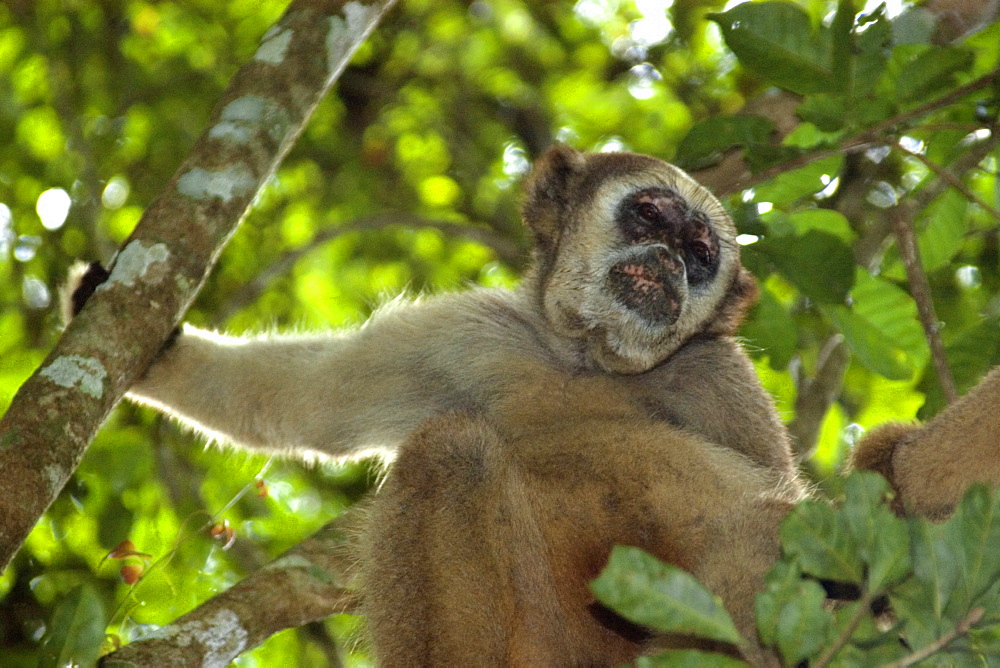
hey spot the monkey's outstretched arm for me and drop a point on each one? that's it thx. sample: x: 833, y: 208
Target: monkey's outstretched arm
x: 337, y: 393
x: 931, y: 466
x: 325, y: 393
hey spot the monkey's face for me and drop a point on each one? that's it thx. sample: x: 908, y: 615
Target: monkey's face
x: 633, y: 257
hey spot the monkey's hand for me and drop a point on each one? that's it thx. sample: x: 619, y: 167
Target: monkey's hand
x: 81, y: 283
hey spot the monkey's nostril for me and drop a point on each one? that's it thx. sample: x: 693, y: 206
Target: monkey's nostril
x: 647, y: 286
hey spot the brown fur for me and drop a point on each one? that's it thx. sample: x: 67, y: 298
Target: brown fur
x: 537, y: 428
x: 481, y: 543
x: 930, y: 467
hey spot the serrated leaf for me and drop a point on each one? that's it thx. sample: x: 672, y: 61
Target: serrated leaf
x: 819, y: 264
x: 778, y: 41
x: 975, y: 529
x: 76, y: 631
x: 689, y: 658
x: 821, y: 543
x: 791, y: 613
x: 842, y: 45
x: 647, y: 591
x: 708, y: 138
x: 883, y: 539
x: 881, y: 327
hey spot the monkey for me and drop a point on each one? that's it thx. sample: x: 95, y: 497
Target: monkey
x: 603, y: 401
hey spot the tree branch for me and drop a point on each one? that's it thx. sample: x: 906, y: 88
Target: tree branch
x: 817, y: 394
x: 953, y: 181
x: 864, y: 139
x: 960, y: 629
x: 864, y: 609
x: 307, y: 583
x: 920, y: 289
x: 163, y: 264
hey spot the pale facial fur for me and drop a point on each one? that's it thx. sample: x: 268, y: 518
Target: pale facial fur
x: 577, y: 300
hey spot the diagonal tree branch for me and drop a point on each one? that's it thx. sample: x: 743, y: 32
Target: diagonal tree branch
x: 307, y: 583
x: 162, y: 266
x: 901, y: 217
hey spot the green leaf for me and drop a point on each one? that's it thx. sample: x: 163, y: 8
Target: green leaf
x: 920, y: 602
x: 842, y: 41
x: 827, y: 111
x: 819, y: 264
x: 797, y: 183
x: 942, y: 229
x: 974, y: 532
x: 772, y: 329
x: 823, y: 220
x: 883, y: 539
x: 706, y: 141
x: 689, y: 658
x: 646, y: 591
x: 791, y: 613
x: 76, y: 630
x: 881, y: 327
x: 873, y: 42
x: 822, y: 544
x: 930, y: 71
x: 974, y: 352
x: 778, y: 42
x: 946, y: 225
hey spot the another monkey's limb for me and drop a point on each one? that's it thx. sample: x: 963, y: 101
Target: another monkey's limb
x: 931, y: 466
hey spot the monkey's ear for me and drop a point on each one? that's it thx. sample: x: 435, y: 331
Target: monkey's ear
x: 742, y: 294
x: 547, y: 192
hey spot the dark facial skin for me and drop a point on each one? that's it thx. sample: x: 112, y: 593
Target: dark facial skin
x: 680, y: 246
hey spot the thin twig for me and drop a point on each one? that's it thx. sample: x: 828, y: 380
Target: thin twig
x: 943, y: 101
x: 851, y: 145
x: 864, y: 609
x: 960, y: 629
x: 817, y: 394
x: 920, y: 289
x: 864, y: 139
x: 953, y: 181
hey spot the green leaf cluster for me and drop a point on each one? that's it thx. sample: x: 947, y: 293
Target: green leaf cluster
x: 915, y: 588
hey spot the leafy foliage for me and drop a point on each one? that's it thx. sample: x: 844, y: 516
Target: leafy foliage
x: 407, y: 180
x: 940, y: 579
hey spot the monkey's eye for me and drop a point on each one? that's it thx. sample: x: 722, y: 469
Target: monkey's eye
x: 649, y: 212
x: 701, y: 251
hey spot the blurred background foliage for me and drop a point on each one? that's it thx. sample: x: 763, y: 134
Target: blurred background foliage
x: 407, y: 180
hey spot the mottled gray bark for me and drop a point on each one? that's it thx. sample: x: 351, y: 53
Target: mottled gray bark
x: 305, y: 584
x: 161, y: 267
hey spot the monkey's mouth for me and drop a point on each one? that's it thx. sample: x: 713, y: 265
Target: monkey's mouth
x: 648, y: 285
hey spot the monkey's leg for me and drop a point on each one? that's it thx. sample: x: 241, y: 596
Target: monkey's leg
x: 454, y: 572
x: 931, y: 466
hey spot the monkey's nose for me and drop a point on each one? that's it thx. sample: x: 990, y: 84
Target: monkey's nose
x: 651, y: 284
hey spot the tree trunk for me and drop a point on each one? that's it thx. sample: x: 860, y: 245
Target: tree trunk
x: 161, y: 267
